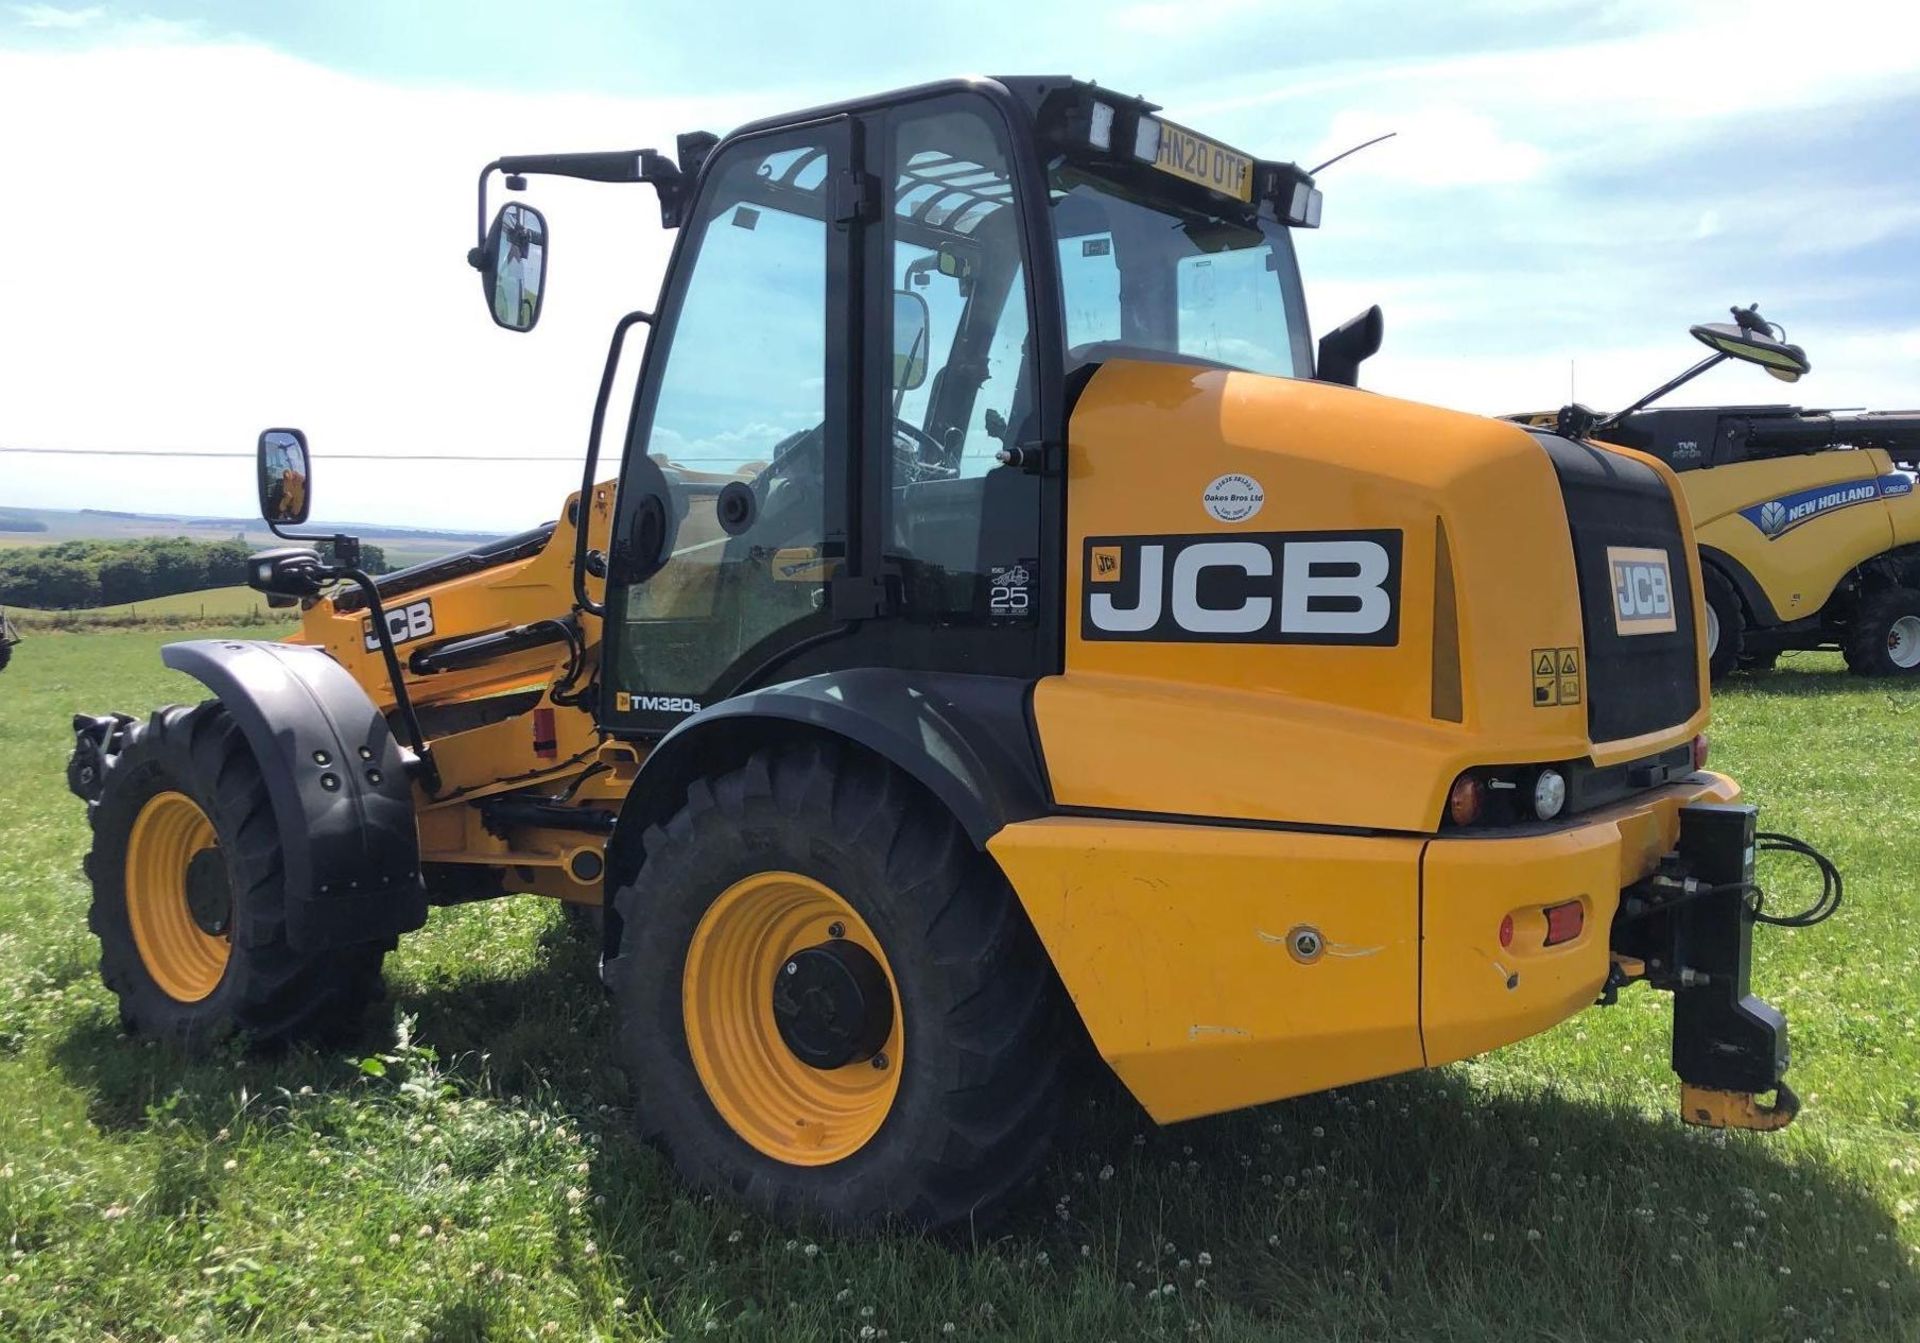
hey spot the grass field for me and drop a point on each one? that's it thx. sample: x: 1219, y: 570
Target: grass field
x: 480, y: 1182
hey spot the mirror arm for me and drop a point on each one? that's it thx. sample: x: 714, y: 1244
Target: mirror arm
x: 1613, y: 420
x: 477, y: 258
x: 616, y: 166
x: 587, y: 470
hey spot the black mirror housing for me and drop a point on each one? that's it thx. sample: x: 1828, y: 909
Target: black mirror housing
x: 1740, y: 341
x: 285, y: 470
x: 513, y: 264
x: 1347, y: 346
x: 289, y: 572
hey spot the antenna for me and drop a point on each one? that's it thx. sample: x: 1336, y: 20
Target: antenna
x: 1365, y: 144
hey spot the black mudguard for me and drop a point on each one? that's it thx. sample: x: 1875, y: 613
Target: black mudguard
x: 338, y: 783
x: 965, y: 738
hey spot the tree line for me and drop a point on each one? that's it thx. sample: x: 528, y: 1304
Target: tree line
x: 72, y: 575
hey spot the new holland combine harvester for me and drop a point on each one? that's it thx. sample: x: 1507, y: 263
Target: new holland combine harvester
x: 1807, y: 520
x: 1003, y: 618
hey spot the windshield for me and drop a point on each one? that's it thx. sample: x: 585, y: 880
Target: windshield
x: 1150, y: 275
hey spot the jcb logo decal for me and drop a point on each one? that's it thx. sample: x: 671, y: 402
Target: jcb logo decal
x: 1263, y: 587
x: 404, y: 623
x: 1642, y: 590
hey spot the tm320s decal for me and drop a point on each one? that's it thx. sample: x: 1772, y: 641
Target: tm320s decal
x: 1260, y: 587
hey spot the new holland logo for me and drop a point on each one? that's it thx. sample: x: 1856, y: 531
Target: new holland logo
x: 1777, y: 517
x: 1258, y: 587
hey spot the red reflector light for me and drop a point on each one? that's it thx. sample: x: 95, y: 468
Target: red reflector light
x: 1506, y: 931
x: 544, y: 744
x: 1564, y: 922
x: 1465, y: 800
x: 1700, y: 751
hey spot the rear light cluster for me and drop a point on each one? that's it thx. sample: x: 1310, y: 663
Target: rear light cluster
x: 1482, y: 797
x: 1544, y: 926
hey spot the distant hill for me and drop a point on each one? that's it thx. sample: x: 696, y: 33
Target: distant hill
x: 39, y: 526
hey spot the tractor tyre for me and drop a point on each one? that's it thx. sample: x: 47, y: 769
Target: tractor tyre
x: 189, y: 899
x: 1725, y: 624
x: 832, y: 1005
x: 586, y: 922
x: 1883, y: 637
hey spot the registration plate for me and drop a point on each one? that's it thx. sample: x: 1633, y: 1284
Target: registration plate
x: 1207, y: 162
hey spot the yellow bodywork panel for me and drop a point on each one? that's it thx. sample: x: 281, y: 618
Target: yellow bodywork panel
x: 1476, y: 994
x: 1177, y: 944
x: 518, y: 751
x: 1798, y: 569
x: 1361, y: 735
x: 1222, y: 966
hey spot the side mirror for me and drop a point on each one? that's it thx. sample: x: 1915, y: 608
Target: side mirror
x: 910, y: 331
x: 1347, y: 346
x: 286, y: 477
x: 514, y: 263
x: 1786, y: 362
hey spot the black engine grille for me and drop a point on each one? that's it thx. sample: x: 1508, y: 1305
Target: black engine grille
x: 1635, y: 683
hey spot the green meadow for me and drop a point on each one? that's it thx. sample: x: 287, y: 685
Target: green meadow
x: 466, y: 1170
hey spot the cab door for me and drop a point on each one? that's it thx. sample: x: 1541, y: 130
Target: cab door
x: 733, y: 502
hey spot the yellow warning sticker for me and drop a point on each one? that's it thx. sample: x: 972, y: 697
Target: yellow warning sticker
x: 1556, y: 677
x: 1569, y: 676
x: 1106, y: 564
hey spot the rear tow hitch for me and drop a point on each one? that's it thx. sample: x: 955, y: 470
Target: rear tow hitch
x: 1688, y: 929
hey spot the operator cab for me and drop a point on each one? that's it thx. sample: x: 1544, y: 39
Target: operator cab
x: 845, y: 444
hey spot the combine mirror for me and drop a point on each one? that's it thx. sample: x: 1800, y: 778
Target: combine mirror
x: 1754, y: 344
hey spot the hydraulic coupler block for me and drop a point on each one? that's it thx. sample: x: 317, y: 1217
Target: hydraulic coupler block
x: 1690, y: 923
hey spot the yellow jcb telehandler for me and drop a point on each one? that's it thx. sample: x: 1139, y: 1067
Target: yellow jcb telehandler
x: 1003, y: 616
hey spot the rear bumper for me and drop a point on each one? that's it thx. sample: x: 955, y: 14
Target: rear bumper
x: 1219, y: 966
x: 1475, y: 993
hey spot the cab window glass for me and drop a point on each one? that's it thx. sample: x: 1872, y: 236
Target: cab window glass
x: 962, y: 528
x: 741, y: 405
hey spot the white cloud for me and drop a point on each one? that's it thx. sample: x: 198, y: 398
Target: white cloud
x: 52, y: 16
x: 227, y: 238
x: 1157, y: 19
x: 1434, y: 145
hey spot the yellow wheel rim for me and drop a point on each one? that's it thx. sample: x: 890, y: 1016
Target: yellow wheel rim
x: 185, y: 960
x: 795, y: 1113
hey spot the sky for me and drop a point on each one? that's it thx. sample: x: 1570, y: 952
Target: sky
x: 227, y: 215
